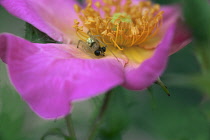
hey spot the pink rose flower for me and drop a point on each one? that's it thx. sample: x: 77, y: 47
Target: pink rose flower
x: 123, y: 43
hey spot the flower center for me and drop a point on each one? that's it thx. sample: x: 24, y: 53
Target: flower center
x: 119, y: 24
x: 121, y: 17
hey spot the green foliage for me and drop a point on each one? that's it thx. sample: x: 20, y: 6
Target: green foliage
x: 198, y: 18
x: 166, y: 1
x: 116, y: 119
x: 202, y: 82
x: 34, y: 35
x: 174, y: 118
x: 55, y: 132
x: 11, y: 115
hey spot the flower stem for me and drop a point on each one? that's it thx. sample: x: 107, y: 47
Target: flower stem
x: 100, y: 115
x: 70, y: 127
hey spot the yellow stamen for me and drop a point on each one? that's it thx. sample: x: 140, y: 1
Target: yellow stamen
x: 119, y: 25
x: 77, y: 8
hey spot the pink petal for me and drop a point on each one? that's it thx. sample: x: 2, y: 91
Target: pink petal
x: 53, y: 17
x: 148, y: 72
x: 171, y: 13
x: 49, y: 76
x: 123, y: 1
x: 182, y: 37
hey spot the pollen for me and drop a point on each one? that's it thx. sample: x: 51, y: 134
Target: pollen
x: 119, y: 24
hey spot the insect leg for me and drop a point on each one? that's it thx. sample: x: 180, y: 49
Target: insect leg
x: 102, y: 43
x: 91, y: 45
x: 79, y: 42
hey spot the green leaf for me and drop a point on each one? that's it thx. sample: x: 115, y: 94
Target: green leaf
x: 55, y: 132
x: 34, y: 35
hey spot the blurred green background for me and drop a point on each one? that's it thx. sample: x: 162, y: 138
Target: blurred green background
x: 139, y: 115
